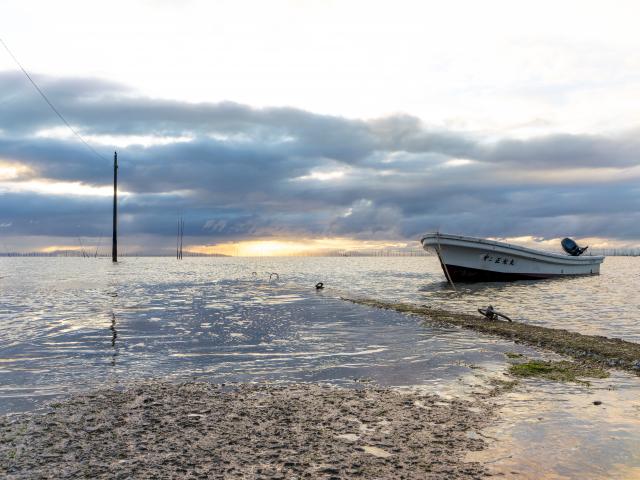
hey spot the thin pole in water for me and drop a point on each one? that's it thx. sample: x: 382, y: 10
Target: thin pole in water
x: 114, y: 245
x: 181, y: 235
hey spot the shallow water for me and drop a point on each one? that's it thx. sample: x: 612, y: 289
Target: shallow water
x: 69, y: 324
x: 554, y: 431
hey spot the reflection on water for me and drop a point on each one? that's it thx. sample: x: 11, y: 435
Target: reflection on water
x: 71, y: 335
x: 114, y: 336
x: 555, y: 431
x: 69, y: 324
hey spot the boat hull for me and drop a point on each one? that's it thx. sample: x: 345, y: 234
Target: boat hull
x: 469, y: 259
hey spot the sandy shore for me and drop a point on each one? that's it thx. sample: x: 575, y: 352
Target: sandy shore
x: 199, y: 430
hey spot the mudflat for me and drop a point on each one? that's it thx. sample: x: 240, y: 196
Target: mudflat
x: 157, y: 429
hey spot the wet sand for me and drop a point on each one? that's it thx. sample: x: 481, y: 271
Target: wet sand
x: 156, y: 429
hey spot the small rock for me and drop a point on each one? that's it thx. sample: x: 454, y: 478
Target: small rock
x: 378, y: 452
x: 330, y: 470
x: 597, y: 402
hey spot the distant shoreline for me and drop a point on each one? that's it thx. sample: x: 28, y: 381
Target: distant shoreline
x: 77, y: 254
x: 381, y: 254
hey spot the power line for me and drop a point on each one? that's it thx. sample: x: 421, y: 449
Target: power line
x: 57, y: 112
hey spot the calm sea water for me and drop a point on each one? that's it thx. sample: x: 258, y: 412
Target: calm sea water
x: 68, y: 324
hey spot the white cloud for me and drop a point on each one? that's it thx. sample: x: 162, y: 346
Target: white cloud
x: 115, y: 141
x: 486, y: 65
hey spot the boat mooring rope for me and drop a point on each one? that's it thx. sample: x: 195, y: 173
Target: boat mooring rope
x: 444, y: 265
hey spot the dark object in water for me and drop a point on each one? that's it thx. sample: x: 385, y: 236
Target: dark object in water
x: 492, y: 314
x: 319, y: 286
x: 572, y: 247
x: 274, y: 274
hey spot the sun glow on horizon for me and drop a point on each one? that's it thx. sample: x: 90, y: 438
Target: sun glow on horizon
x: 286, y: 247
x: 60, y: 248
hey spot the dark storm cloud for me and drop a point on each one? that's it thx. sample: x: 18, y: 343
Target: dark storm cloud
x: 567, y: 150
x: 240, y: 172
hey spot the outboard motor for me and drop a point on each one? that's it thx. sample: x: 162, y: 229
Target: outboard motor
x: 572, y: 247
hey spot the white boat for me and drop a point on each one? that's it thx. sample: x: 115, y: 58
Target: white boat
x: 470, y: 259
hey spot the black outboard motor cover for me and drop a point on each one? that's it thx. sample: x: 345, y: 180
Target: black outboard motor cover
x: 572, y: 247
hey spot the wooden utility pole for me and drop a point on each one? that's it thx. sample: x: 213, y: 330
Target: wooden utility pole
x: 114, y: 245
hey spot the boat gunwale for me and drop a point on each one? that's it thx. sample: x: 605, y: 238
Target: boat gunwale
x: 509, y: 246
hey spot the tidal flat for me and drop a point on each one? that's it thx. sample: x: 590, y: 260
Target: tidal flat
x: 201, y: 430
x: 72, y: 327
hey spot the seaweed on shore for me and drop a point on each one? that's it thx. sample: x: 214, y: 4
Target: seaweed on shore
x: 562, y: 371
x: 606, y: 352
x: 514, y: 355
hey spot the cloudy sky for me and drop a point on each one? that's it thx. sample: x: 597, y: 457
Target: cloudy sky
x: 276, y: 126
